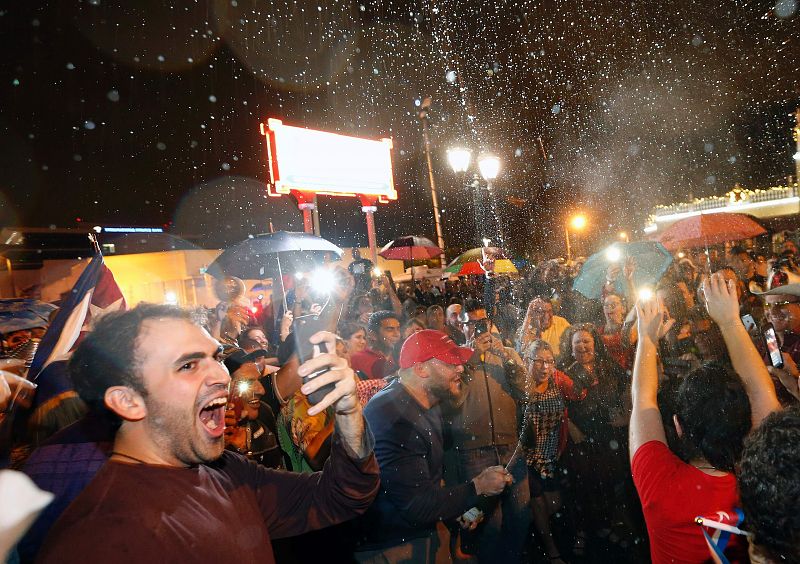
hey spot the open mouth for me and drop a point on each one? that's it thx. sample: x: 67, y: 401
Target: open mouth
x: 212, y: 416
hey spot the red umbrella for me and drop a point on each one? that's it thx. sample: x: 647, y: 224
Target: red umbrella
x: 410, y: 247
x: 709, y: 229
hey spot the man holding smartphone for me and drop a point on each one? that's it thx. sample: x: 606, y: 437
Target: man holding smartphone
x: 782, y: 310
x: 160, y: 373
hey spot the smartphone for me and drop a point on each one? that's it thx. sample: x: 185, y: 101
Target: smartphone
x: 304, y: 328
x: 749, y: 323
x: 481, y: 327
x: 774, y: 350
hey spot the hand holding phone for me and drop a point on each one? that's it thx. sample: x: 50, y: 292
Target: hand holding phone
x: 773, y: 348
x: 304, y: 329
x: 331, y: 372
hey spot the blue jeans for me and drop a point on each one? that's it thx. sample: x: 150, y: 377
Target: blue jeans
x: 503, y: 534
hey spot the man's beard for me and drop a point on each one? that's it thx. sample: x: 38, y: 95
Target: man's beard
x: 447, y: 397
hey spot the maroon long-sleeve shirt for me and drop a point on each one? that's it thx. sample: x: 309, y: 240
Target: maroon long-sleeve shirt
x: 226, y: 511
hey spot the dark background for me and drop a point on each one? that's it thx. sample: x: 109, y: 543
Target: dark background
x: 148, y: 114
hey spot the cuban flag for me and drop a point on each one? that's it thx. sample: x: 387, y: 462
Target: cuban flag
x: 717, y: 530
x: 94, y: 294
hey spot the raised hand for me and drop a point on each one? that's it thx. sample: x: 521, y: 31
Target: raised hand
x: 630, y: 268
x: 339, y: 373
x: 650, y: 323
x: 722, y: 299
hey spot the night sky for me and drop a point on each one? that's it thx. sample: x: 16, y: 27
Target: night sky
x: 148, y: 114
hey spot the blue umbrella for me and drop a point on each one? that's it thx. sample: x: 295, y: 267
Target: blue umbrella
x: 652, y: 261
x: 23, y: 313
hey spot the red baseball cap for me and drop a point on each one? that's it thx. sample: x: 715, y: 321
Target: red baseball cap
x: 427, y: 344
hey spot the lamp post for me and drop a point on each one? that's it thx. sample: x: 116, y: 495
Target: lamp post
x: 578, y: 223
x: 423, y: 117
x: 489, y: 167
x: 796, y: 156
x: 623, y: 236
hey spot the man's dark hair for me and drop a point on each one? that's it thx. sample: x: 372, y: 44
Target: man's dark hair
x: 347, y: 329
x: 714, y: 413
x: 245, y: 341
x: 769, y: 485
x: 471, y: 304
x: 107, y: 356
x: 737, y: 250
x: 378, y: 317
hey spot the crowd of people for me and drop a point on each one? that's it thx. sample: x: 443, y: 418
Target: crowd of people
x: 480, y: 419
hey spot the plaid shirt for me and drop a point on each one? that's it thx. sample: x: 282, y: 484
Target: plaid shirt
x: 541, y: 428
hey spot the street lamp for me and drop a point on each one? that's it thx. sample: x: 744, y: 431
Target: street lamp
x: 422, y: 114
x: 577, y: 223
x: 623, y: 236
x: 489, y: 165
x: 459, y: 159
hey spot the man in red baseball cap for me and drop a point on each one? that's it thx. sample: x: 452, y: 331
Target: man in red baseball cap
x: 406, y: 420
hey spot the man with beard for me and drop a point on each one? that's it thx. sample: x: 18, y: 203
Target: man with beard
x: 407, y: 421
x: 170, y: 492
x: 454, y: 326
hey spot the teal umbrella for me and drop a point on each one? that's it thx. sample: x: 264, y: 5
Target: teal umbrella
x: 652, y: 261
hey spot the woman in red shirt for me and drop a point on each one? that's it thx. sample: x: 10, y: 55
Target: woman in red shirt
x: 715, y: 408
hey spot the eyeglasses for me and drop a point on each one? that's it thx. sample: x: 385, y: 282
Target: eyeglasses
x: 542, y: 362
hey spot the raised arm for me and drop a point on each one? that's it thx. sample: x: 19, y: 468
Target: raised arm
x: 646, y: 422
x: 723, y: 306
x: 397, y: 306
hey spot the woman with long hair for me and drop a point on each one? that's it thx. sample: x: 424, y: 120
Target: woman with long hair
x: 596, y: 458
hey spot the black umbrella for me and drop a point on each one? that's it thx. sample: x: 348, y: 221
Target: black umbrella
x: 271, y: 254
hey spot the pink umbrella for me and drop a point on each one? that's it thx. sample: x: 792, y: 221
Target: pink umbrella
x: 709, y: 229
x: 411, y: 248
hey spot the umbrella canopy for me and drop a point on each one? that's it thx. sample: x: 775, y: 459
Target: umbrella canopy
x: 256, y: 258
x: 19, y: 314
x: 652, y: 261
x: 709, y: 229
x: 469, y: 262
x: 410, y: 247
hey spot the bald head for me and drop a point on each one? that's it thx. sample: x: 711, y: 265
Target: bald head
x: 453, y: 311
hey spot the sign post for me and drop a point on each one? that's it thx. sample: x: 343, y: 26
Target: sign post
x: 306, y: 163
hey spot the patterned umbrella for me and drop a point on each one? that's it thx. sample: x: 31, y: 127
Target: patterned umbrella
x: 411, y: 248
x: 469, y: 262
x: 709, y: 229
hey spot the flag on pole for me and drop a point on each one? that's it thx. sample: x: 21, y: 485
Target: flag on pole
x: 717, y: 530
x: 93, y: 295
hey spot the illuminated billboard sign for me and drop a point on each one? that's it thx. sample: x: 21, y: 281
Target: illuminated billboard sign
x: 318, y: 162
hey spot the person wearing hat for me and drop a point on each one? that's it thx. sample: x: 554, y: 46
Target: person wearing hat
x: 406, y: 420
x: 250, y: 426
x: 782, y: 309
